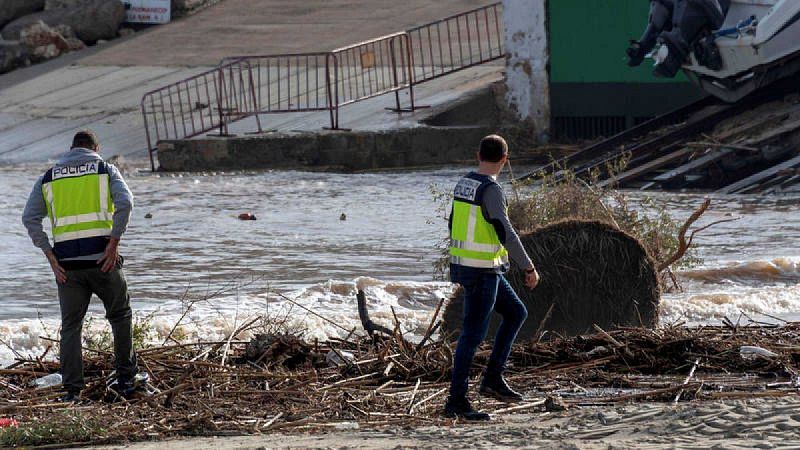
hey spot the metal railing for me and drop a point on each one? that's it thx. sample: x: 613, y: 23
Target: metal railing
x: 457, y: 42
x: 198, y: 104
x: 249, y: 86
x: 294, y: 82
x: 370, y: 69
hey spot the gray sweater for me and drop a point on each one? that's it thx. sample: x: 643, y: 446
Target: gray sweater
x: 36, y: 210
x: 494, y: 203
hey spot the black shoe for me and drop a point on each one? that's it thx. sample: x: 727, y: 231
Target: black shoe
x: 125, y: 388
x: 71, y: 397
x: 460, y: 407
x: 132, y: 388
x: 495, y: 386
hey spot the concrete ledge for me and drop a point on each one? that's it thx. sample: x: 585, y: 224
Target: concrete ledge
x: 330, y: 150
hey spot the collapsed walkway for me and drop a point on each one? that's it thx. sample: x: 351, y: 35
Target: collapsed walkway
x: 751, y: 146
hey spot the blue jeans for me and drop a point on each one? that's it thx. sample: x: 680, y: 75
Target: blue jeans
x: 484, y: 291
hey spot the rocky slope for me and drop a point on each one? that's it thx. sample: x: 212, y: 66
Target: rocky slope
x: 33, y: 31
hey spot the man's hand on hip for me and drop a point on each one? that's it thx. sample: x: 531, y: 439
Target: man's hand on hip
x: 58, y: 271
x: 110, y: 255
x: 531, y: 278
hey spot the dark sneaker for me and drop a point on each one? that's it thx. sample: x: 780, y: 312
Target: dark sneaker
x: 134, y: 388
x: 496, y: 386
x: 460, y: 407
x: 70, y: 397
x: 125, y: 388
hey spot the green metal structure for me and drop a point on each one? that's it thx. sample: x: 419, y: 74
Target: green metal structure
x: 593, y: 92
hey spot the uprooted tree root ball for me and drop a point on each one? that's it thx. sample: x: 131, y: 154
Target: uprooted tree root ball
x: 591, y: 273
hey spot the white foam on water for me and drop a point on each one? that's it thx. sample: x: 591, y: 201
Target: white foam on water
x: 779, y: 301
x: 413, y: 302
x: 334, y: 310
x: 776, y: 269
x: 24, y: 337
x: 758, y: 287
x: 333, y: 307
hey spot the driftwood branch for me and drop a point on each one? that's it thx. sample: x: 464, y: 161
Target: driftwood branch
x: 432, y: 327
x: 683, y: 244
x: 686, y: 381
x: 363, y: 314
x: 540, y: 329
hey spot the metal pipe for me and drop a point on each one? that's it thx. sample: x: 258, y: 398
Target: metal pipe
x: 394, y: 74
x: 147, y: 135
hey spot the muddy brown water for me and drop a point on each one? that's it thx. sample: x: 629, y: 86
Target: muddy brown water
x: 300, y: 246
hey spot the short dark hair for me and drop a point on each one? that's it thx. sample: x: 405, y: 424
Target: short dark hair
x: 493, y: 148
x: 85, y: 139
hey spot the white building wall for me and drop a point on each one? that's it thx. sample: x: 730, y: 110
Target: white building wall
x: 527, y: 77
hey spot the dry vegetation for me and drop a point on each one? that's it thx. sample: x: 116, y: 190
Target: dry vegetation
x: 573, y: 198
x: 667, y: 239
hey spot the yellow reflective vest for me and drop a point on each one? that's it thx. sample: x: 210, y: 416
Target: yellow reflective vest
x: 80, y: 208
x: 473, y: 239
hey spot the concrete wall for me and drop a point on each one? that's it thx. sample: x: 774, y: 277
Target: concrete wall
x: 527, y: 77
x: 341, y: 151
x: 448, y: 133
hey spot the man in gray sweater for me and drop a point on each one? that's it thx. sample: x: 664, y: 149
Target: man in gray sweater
x: 89, y: 206
x: 481, y: 241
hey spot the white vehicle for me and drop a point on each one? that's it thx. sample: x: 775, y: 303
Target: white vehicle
x: 756, y: 43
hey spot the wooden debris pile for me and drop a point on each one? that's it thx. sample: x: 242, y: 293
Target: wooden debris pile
x: 278, y: 382
x: 670, y: 350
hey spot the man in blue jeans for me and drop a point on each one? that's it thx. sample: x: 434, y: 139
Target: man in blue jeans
x: 481, y: 240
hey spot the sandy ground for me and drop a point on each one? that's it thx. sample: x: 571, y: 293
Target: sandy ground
x: 736, y: 424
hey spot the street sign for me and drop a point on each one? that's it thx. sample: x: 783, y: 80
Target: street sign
x: 147, y: 11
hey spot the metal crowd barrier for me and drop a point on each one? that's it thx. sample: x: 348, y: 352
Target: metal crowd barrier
x: 249, y: 86
x: 457, y: 42
x: 370, y: 69
x: 197, y: 105
x: 296, y: 82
